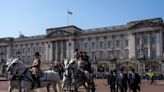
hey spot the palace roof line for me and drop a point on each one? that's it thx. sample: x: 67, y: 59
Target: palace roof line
x: 157, y: 21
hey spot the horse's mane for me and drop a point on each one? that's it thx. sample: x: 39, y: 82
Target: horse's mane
x: 14, y: 60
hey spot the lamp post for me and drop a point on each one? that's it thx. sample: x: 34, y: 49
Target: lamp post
x: 142, y: 58
x: 113, y: 58
x: 95, y: 63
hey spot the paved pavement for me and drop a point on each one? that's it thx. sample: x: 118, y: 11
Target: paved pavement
x: 101, y: 86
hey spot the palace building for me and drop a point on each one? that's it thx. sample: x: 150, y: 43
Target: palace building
x: 137, y: 44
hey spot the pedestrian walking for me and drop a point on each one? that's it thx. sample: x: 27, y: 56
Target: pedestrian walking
x: 122, y: 81
x: 134, y: 81
x: 112, y: 81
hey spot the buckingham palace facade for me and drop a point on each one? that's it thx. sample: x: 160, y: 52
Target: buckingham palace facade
x: 137, y: 44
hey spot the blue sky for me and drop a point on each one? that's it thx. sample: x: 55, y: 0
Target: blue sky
x: 33, y: 17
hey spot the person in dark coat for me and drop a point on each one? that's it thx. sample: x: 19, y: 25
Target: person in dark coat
x: 122, y: 81
x: 87, y: 64
x: 134, y: 81
x: 76, y: 54
x: 112, y: 81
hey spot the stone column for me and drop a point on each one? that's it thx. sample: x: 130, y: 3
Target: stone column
x: 61, y: 50
x: 72, y: 47
x: 105, y: 47
x: 162, y: 67
x: 8, y: 54
x: 149, y: 45
x: 50, y: 52
x: 131, y: 45
x: 161, y: 42
x: 68, y: 49
x: 54, y: 46
x: 56, y: 52
x: 47, y: 51
x: 158, y: 44
x: 141, y: 39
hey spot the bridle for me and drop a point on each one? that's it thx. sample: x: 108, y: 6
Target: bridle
x: 15, y: 71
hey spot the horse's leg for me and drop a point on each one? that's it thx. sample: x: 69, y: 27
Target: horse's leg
x: 92, y: 86
x: 10, y: 89
x: 62, y: 85
x: 20, y: 89
x: 28, y: 89
x: 54, y: 87
x: 86, y: 87
x: 32, y: 90
x: 76, y: 88
x: 69, y: 87
x: 48, y: 88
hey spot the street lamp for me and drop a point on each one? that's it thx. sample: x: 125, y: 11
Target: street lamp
x: 113, y: 58
x: 142, y: 58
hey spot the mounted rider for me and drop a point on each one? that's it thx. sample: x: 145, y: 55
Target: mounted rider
x: 87, y: 66
x: 36, y: 71
x: 76, y: 54
x: 55, y: 66
x: 81, y: 63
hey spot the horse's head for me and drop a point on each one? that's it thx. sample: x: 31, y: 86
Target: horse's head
x: 9, y: 61
x: 66, y: 62
x: 71, y: 63
x: 14, y: 66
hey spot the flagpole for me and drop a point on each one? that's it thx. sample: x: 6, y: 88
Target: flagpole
x: 68, y: 13
x: 67, y: 18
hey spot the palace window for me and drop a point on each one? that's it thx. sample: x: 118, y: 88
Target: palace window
x: 101, y: 44
x: 117, y: 54
x: 31, y: 44
x: 153, y: 53
x: 23, y: 50
x: 126, y: 43
x: 37, y: 44
x: 69, y: 44
x: 101, y: 55
x: 109, y: 54
x: 137, y: 40
x: 85, y: 45
x: 145, y: 39
x: 93, y: 56
x: 153, y: 39
x: 126, y: 54
x: 137, y: 53
x: 93, y: 45
x: 117, y: 43
x: 109, y: 44
x: 146, y: 52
